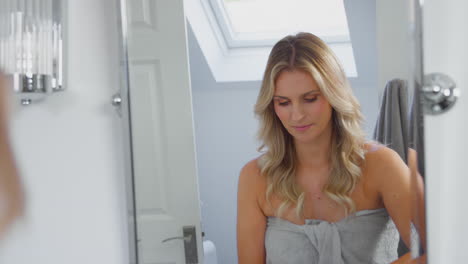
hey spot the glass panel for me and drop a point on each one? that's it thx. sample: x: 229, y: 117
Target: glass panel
x: 28, y: 36
x: 276, y: 18
x: 31, y: 46
x: 416, y: 150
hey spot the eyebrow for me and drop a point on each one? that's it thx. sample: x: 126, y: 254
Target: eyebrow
x: 311, y: 92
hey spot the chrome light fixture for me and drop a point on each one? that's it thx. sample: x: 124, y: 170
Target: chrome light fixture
x: 32, y: 47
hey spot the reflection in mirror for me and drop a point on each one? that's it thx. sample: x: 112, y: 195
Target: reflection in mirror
x: 192, y: 135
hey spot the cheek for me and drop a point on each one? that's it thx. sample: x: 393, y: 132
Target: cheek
x: 281, y: 113
x: 321, y: 107
x: 326, y: 110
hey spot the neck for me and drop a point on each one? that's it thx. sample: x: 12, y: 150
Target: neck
x: 315, y: 154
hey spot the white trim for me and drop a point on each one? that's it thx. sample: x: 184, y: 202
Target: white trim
x: 213, y: 21
x: 222, y: 19
x: 241, y: 63
x: 247, y: 40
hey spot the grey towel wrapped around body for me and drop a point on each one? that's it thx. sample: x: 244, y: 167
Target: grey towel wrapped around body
x: 367, y: 236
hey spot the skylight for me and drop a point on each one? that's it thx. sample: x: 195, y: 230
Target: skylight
x: 236, y: 36
x: 263, y: 22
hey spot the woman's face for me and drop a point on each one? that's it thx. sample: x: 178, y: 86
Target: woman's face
x: 301, y: 107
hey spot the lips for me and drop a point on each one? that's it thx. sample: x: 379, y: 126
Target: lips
x: 302, y: 128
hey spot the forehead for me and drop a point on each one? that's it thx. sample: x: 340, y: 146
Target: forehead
x: 294, y: 83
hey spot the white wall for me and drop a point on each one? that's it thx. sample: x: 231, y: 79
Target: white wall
x: 69, y: 152
x: 361, y: 16
x: 445, y: 41
x: 393, y: 48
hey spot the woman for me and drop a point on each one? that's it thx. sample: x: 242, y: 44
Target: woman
x: 11, y: 194
x: 319, y: 193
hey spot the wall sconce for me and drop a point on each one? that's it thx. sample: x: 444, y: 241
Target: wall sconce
x: 31, y: 47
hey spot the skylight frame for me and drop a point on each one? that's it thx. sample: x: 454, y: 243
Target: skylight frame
x: 248, y: 63
x: 235, y: 40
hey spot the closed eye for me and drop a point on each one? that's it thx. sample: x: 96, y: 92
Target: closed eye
x: 310, y: 100
x: 283, y: 103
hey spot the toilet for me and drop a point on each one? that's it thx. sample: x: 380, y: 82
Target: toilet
x: 209, y: 252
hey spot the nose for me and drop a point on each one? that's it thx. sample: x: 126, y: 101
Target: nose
x: 297, y: 113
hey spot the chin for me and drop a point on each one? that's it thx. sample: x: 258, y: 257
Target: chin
x: 304, y: 138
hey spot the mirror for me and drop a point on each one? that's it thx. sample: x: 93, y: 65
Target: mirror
x: 192, y: 131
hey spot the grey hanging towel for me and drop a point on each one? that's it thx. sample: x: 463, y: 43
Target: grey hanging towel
x: 416, y: 131
x: 392, y: 123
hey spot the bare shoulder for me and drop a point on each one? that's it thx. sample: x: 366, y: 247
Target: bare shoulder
x: 392, y: 180
x: 250, y: 175
x: 251, y: 167
x: 380, y: 157
x: 252, y: 184
x: 384, y: 165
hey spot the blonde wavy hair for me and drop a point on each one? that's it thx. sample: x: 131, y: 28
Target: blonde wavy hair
x: 278, y: 163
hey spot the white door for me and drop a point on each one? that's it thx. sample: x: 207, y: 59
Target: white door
x: 162, y: 131
x: 445, y: 36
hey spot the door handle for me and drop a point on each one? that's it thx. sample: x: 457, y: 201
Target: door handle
x: 186, y: 239
x: 190, y: 244
x: 117, y: 103
x: 440, y: 93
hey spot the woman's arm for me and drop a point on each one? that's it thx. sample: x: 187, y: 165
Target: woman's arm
x: 419, y: 204
x: 418, y: 210
x: 251, y: 222
x: 406, y: 259
x: 11, y: 194
x: 396, y: 187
